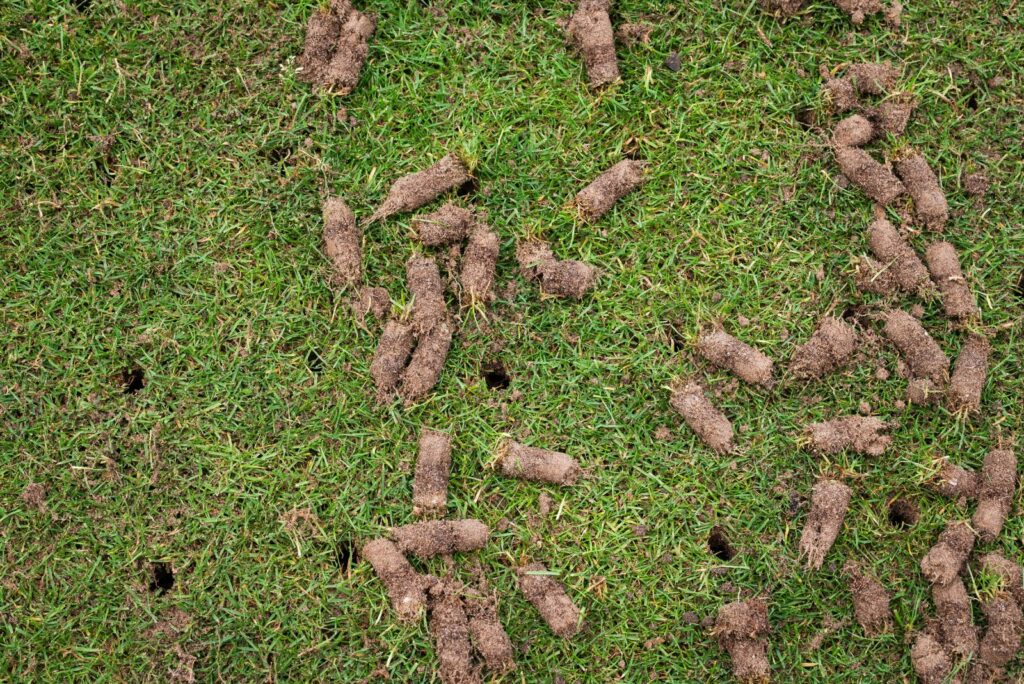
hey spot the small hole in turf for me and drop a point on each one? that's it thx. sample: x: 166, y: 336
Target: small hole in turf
x: 972, y: 102
x: 314, y: 362
x: 718, y: 544
x: 902, y: 513
x: 1019, y: 289
x: 676, y: 342
x: 163, y: 578
x: 277, y: 155
x: 344, y: 554
x: 806, y: 118
x: 81, y: 5
x: 495, y: 375
x: 133, y: 380
x: 468, y: 188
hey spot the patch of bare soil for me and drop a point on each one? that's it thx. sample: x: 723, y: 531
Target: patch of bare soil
x: 440, y: 537
x: 725, y: 351
x: 538, y: 465
x: 479, y: 265
x: 893, y: 115
x: 596, y: 199
x: 930, y: 660
x: 1010, y: 574
x: 413, y: 191
x: 393, y: 350
x: 427, y: 290
x: 426, y: 364
x: 829, y: 501
x: 549, y: 598
x: 449, y: 628
x: 342, y: 242
x: 870, y: 600
x: 923, y: 355
x: 874, y: 178
x: 861, y: 434
x: 406, y: 588
x: 853, y: 131
x: 956, y: 482
x: 337, y: 42
x: 923, y: 186
x: 34, y: 497
x: 741, y: 629
x: 955, y: 621
x: 897, y: 256
x: 448, y: 225
x: 829, y: 349
x: 433, y: 467
x: 969, y: 373
x: 995, y: 493
x: 489, y: 637
x: 590, y: 31
x: 943, y: 562
x: 944, y: 265
x: 700, y: 414
x: 370, y: 301
x: 873, y: 78
x: 1002, y: 637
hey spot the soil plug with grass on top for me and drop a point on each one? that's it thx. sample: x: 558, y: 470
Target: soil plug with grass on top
x: 449, y: 628
x: 440, y: 537
x: 725, y: 351
x: 449, y: 224
x: 894, y: 113
x: 590, y: 31
x: 829, y: 349
x: 406, y: 588
x: 595, y: 200
x: 740, y: 629
x: 899, y: 258
x: 342, y: 242
x: 700, y: 414
x: 337, y: 43
x: 393, y: 350
x: 944, y: 265
x: 537, y: 465
x: 860, y: 434
x: 969, y: 373
x: 479, y: 264
x: 548, y: 596
x: 944, y: 561
x: 417, y: 189
x: 870, y: 600
x: 995, y: 493
x: 829, y: 501
x: 1010, y: 574
x: 923, y: 186
x: 433, y: 467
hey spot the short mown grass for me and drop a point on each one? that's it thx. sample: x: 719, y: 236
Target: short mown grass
x: 162, y: 171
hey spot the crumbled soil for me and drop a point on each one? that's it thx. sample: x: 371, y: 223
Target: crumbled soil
x: 995, y: 493
x: 537, y: 465
x: 725, y: 351
x: 440, y: 537
x: 944, y: 265
x: 870, y: 600
x: 337, y: 42
x: 1010, y: 574
x: 829, y: 349
x: 342, y: 242
x: 943, y: 562
x: 393, y: 350
x: 370, y: 301
x: 976, y: 184
x: 489, y: 637
x: 433, y: 467
x: 874, y: 178
x: 708, y: 422
x: 34, y: 496
x: 969, y: 373
x: 893, y: 115
x: 782, y: 8
x: 922, y: 354
x: 955, y: 621
x: 406, y: 587
x: 897, y: 256
x: 596, y: 199
x: 859, y: 9
x: 740, y: 629
x: 956, y: 482
x: 427, y: 290
x: 923, y: 186
x: 630, y: 34
x: 449, y: 224
x: 874, y: 277
x: 449, y: 628
x: 853, y: 131
x: 1002, y: 636
x: 479, y: 264
x: 861, y: 434
x: 533, y: 256
x: 590, y: 31
x: 840, y: 95
x: 829, y: 501
x: 569, y: 278
x: 930, y: 660
x: 872, y: 78
x: 548, y: 596
x: 924, y: 392
x: 417, y: 189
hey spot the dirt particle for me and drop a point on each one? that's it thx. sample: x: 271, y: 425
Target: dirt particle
x: 829, y: 501
x: 700, y: 414
x: 34, y: 496
x: 393, y: 350
x: 923, y: 356
x: 969, y: 373
x: 859, y: 9
x: 725, y: 351
x: 740, y: 629
x: 861, y: 434
x: 630, y: 34
x: 719, y: 546
x: 433, y: 467
x: 944, y: 560
x: 944, y: 265
x: 893, y: 115
x: 449, y: 628
x: 903, y: 513
x: 440, y: 537
x: 976, y: 184
x: 537, y: 465
x: 853, y: 131
x: 930, y: 660
x: 923, y: 186
x: 449, y: 224
x: 873, y: 78
x: 590, y: 31
x: 897, y: 257
x: 489, y: 637
x: 874, y: 178
x: 870, y: 600
x: 342, y: 242
x: 495, y: 376
x: 955, y: 621
x: 479, y: 263
x: 596, y: 199
x: 548, y: 596
x: 161, y: 576
x: 414, y: 190
x: 829, y: 348
x: 995, y: 493
x: 956, y: 482
x: 337, y: 43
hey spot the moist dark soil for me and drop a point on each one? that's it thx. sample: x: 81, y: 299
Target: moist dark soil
x: 943, y: 562
x: 893, y: 115
x: 406, y: 588
x: 426, y: 364
x: 440, y: 537
x: 433, y: 467
x: 549, y: 598
x: 874, y: 277
x: 740, y: 629
x: 956, y: 482
x: 418, y: 189
x: 923, y: 355
x: 449, y: 224
x: 870, y: 600
x: 393, y: 350
x: 708, y: 422
x: 861, y: 434
x: 596, y: 199
x: 873, y: 78
x: 969, y: 373
x: 538, y: 465
x: 370, y: 301
x: 944, y: 266
x: 342, y: 242
x: 958, y: 634
x: 840, y: 95
x: 897, y: 256
x: 859, y: 9
x: 923, y: 186
x: 427, y: 290
x: 829, y: 501
x: 489, y: 637
x: 829, y: 349
x: 1002, y: 636
x: 853, y: 131
x: 569, y: 279
x: 930, y: 660
x: 995, y: 493
x: 337, y: 42
x: 590, y: 31
x: 874, y: 178
x: 449, y: 628
x: 1010, y: 574
x: 479, y: 264
x: 725, y: 351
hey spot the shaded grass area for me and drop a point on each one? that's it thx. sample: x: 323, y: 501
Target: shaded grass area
x: 162, y: 172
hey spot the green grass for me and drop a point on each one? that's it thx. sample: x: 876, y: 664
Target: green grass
x: 190, y: 249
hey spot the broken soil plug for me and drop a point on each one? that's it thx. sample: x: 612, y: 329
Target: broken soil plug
x: 440, y: 537
x: 406, y: 588
x: 337, y: 43
x: 449, y: 628
x: 995, y: 493
x: 956, y: 481
x: 853, y: 131
x: 548, y: 596
x: 923, y: 186
x: 393, y: 350
x: 829, y: 501
x: 479, y: 264
x: 861, y: 434
x: 725, y: 351
x: 424, y: 281
x: 930, y: 660
x: 740, y: 629
x: 417, y: 189
x: 898, y: 257
x: 870, y: 600
x: 923, y: 356
x: 873, y: 78
x: 426, y: 364
x: 1002, y: 638
x: 433, y: 467
x: 944, y: 265
x: 955, y: 620
x: 449, y: 224
x: 708, y: 422
x: 537, y: 465
x: 943, y: 561
x: 489, y: 637
x: 874, y: 178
